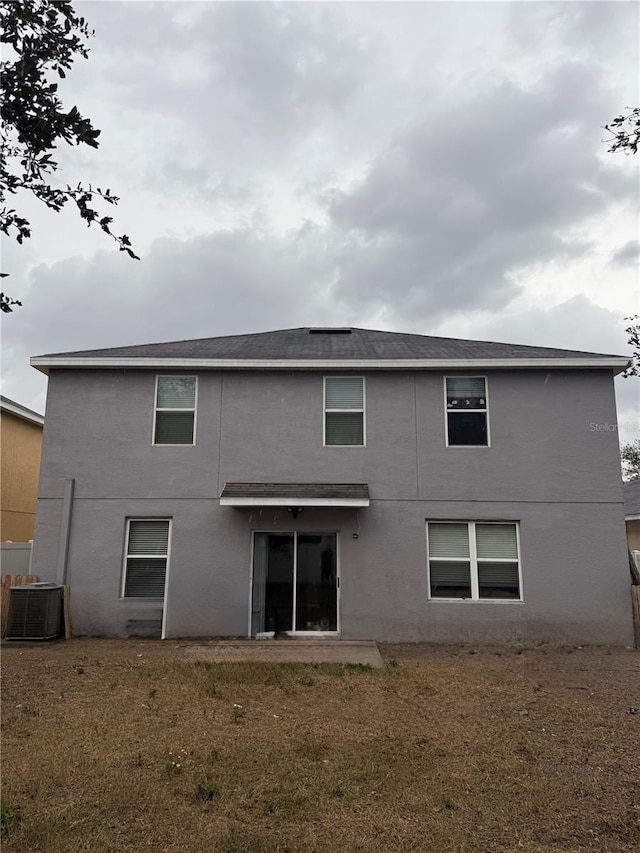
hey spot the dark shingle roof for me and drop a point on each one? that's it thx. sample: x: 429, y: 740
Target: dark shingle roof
x: 303, y: 343
x: 631, y: 492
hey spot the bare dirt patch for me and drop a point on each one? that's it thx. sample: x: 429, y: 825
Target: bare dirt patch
x: 130, y: 745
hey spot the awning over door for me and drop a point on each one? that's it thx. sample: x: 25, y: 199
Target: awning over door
x: 295, y: 494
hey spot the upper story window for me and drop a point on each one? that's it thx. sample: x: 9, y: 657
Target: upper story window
x: 344, y: 411
x: 467, y: 413
x: 473, y: 560
x: 175, y: 413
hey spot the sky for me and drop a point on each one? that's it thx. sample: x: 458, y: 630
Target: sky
x: 435, y: 168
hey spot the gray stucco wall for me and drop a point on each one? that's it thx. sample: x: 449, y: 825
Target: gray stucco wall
x: 549, y: 467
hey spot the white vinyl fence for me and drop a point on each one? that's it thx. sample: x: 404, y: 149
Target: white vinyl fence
x: 15, y: 558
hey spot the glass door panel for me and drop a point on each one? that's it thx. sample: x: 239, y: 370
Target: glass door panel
x: 316, y: 605
x: 272, y: 597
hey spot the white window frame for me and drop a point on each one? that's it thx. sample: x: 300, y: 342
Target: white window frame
x: 485, y: 411
x: 363, y: 411
x: 146, y: 598
x: 473, y: 562
x: 157, y: 409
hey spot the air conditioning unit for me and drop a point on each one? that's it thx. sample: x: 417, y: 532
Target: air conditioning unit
x: 35, y: 612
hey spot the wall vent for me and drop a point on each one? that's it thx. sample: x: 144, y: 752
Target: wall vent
x: 144, y: 628
x: 35, y: 612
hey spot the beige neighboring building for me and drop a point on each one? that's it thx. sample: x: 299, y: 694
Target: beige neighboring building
x: 20, y: 446
x: 631, y: 491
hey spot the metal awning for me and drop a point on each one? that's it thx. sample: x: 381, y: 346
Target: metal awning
x: 295, y: 494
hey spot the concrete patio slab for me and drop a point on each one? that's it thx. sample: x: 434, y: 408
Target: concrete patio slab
x: 287, y: 651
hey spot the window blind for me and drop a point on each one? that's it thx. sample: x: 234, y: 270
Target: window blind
x: 344, y: 428
x: 448, y: 540
x: 344, y: 392
x: 498, y: 580
x: 498, y: 574
x: 176, y: 392
x: 148, y: 537
x: 145, y: 578
x: 146, y: 572
x: 450, y: 574
x: 174, y: 427
x: 466, y: 391
x: 496, y: 541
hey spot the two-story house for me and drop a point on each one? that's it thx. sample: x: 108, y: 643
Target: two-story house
x: 335, y: 482
x: 20, y: 446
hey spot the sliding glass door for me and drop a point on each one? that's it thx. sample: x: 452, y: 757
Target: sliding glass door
x: 295, y: 583
x: 316, y: 583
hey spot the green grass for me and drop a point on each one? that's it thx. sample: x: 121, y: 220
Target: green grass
x: 8, y: 821
x: 207, y: 791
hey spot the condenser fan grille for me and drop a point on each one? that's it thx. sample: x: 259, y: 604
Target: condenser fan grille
x: 34, y: 613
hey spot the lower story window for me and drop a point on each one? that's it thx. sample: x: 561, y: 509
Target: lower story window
x: 473, y: 560
x: 146, y: 558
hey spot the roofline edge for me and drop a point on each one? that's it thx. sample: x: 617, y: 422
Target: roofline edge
x: 21, y: 412
x: 43, y: 364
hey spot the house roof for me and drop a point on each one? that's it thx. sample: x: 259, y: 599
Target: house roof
x: 631, y: 492
x: 295, y: 494
x: 20, y: 411
x: 328, y: 347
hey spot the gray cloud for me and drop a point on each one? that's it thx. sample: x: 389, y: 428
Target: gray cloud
x: 206, y: 285
x: 463, y: 201
x: 591, y: 31
x: 561, y: 325
x: 248, y: 83
x: 626, y: 255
